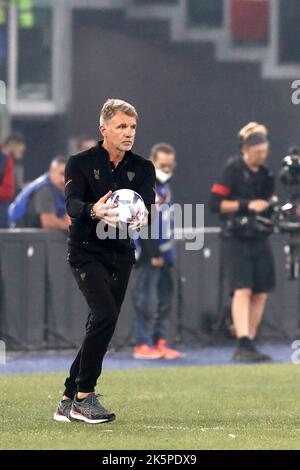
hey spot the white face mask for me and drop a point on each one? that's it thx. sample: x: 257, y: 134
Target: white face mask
x: 162, y: 176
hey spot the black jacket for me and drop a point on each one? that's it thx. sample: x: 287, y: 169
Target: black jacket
x: 88, y: 177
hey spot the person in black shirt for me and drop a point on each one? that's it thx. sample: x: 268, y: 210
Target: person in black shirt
x: 243, y: 198
x: 101, y: 266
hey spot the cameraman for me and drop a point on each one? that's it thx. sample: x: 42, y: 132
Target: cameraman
x: 242, y: 198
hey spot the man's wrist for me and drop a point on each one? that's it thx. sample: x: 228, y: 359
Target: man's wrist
x: 243, y: 205
x: 93, y: 214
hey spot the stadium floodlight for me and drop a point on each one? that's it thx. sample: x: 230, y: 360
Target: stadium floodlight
x: 4, y: 114
x: 2, y: 92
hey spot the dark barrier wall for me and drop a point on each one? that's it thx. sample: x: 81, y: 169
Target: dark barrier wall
x: 41, y: 305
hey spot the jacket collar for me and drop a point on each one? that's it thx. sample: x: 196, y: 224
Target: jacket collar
x: 100, y: 150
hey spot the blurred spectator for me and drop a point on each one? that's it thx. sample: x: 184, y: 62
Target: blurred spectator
x: 7, y: 183
x: 15, y: 145
x: 85, y: 142
x: 154, y: 289
x: 42, y: 204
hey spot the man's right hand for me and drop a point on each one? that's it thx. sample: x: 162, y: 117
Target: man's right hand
x: 258, y: 205
x: 157, y: 262
x: 106, y: 212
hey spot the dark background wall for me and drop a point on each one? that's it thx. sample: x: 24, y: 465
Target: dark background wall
x: 183, y: 95
x: 45, y: 138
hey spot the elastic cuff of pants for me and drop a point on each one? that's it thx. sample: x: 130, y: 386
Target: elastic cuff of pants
x: 69, y: 393
x: 81, y: 389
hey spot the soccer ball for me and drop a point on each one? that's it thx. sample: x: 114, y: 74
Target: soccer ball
x: 131, y: 206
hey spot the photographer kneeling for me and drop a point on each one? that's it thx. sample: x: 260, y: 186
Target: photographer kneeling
x: 242, y: 197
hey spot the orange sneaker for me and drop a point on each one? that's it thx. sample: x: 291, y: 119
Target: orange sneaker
x: 143, y: 351
x: 167, y: 353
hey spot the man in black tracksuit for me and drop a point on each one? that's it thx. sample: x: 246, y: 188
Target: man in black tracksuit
x: 243, y: 199
x: 101, y: 266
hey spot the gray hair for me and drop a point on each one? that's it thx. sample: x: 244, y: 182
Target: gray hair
x: 112, y: 106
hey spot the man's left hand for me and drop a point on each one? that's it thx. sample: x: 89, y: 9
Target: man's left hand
x: 140, y: 223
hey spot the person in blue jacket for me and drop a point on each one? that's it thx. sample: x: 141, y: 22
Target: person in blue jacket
x: 154, y: 289
x: 41, y: 204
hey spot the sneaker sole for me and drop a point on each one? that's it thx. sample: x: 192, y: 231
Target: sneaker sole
x: 81, y: 417
x: 246, y: 360
x: 61, y: 418
x: 172, y: 358
x: 140, y: 356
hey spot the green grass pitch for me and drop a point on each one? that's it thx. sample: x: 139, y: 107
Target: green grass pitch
x: 227, y: 407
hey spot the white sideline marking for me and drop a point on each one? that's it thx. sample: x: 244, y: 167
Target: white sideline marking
x: 181, y: 428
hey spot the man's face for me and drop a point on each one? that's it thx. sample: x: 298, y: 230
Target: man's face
x: 257, y: 154
x: 57, y: 175
x: 119, y: 132
x: 17, y: 150
x: 164, y: 162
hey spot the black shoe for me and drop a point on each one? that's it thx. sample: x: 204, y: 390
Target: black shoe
x: 90, y: 410
x: 264, y: 357
x: 249, y: 355
x: 62, y: 412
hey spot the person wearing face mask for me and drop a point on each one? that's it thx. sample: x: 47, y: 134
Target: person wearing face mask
x: 244, y: 197
x: 153, y: 295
